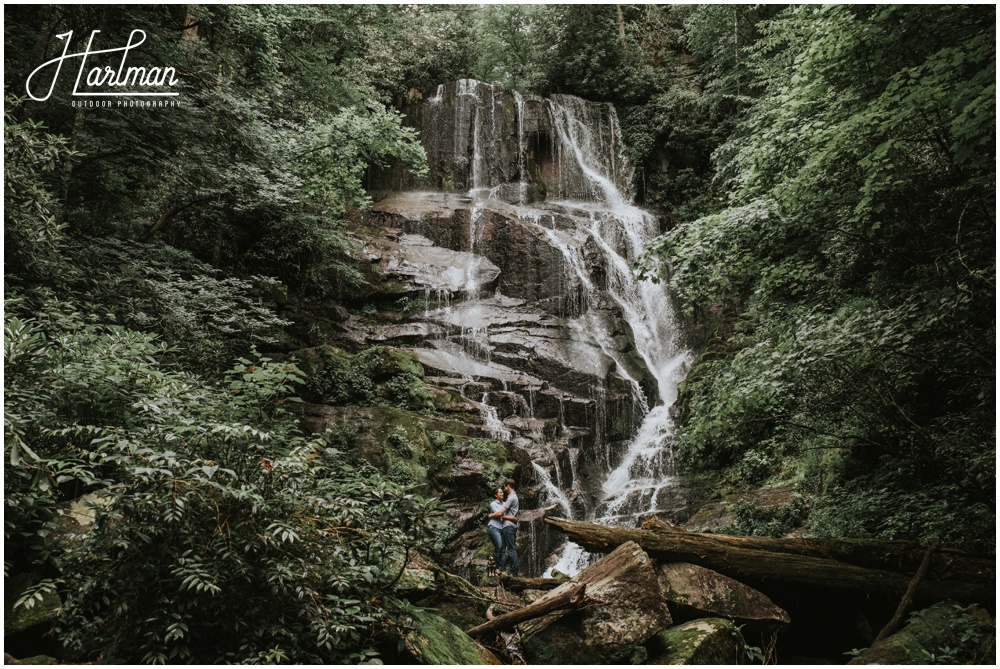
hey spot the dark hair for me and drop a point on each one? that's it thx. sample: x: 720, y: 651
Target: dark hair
x: 509, y: 482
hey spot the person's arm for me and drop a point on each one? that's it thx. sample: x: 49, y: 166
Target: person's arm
x: 498, y: 514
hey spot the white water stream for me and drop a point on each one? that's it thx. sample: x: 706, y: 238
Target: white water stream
x: 632, y: 488
x: 595, y: 211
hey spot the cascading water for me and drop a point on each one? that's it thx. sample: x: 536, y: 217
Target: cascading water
x: 633, y: 487
x: 551, y: 177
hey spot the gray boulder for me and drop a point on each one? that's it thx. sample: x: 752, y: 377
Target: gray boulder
x: 626, y: 609
x: 710, y: 592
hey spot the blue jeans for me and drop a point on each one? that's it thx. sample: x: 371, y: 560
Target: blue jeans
x: 497, y: 537
x: 510, y: 547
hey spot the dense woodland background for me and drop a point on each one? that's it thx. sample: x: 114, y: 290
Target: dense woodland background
x: 826, y: 180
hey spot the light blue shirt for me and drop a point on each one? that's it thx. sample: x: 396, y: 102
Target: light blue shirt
x: 495, y: 506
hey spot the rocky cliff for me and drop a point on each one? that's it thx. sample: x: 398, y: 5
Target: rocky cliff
x: 506, y: 272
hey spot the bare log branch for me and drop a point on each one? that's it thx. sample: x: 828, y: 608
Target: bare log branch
x: 574, y: 597
x: 911, y: 589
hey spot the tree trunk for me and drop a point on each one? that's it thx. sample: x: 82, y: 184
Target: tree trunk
x: 907, y: 601
x: 762, y: 559
x: 901, y: 556
x: 574, y: 597
x: 517, y: 583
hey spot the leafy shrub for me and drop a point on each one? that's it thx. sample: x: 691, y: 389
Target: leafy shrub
x: 153, y: 287
x: 400, y: 473
x: 776, y: 522
x: 345, y: 385
x: 378, y: 376
x: 31, y: 155
x: 398, y: 443
x: 229, y: 536
x: 443, y: 445
x: 341, y: 438
x: 892, y: 503
x: 754, y: 467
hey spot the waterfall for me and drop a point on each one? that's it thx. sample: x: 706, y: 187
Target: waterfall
x: 633, y: 487
x: 547, y: 186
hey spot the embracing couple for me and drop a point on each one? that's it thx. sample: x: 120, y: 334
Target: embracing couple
x: 502, y: 526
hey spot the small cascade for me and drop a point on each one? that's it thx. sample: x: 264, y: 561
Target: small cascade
x: 438, y: 96
x: 553, y: 490
x: 494, y: 425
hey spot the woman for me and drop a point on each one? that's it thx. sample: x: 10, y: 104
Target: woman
x: 495, y: 527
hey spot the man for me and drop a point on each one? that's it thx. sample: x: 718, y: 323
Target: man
x: 509, y: 530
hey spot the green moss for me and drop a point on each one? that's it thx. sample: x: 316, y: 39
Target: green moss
x: 942, y: 634
x: 438, y: 641
x: 631, y: 654
x: 703, y: 641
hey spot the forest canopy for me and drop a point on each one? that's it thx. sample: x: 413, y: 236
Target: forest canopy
x: 825, y: 181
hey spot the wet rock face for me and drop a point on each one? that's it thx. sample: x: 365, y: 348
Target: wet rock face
x: 488, y: 139
x: 518, y: 245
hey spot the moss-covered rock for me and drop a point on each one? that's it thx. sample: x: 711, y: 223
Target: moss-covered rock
x: 20, y: 618
x: 942, y: 634
x: 435, y: 640
x: 385, y: 362
x: 703, y: 641
x: 34, y: 659
x: 314, y: 360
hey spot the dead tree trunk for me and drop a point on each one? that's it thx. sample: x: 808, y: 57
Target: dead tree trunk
x: 733, y: 556
x: 517, y: 583
x: 902, y: 556
x: 574, y: 597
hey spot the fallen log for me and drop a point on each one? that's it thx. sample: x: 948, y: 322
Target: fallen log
x: 901, y: 556
x: 736, y: 559
x: 518, y: 583
x: 574, y: 597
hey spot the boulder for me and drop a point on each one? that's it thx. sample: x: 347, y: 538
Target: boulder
x: 74, y: 520
x: 434, y: 640
x: 39, y: 612
x: 942, y: 634
x: 707, y: 591
x: 35, y: 659
x: 627, y: 609
x: 702, y: 641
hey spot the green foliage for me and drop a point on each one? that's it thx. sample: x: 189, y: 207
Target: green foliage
x: 228, y: 536
x: 751, y: 521
x: 31, y: 155
x: 156, y: 288
x: 443, y: 446
x: 508, y: 48
x: 969, y: 638
x: 378, y: 376
x: 854, y: 263
x: 896, y: 503
x: 398, y: 443
x: 281, y: 117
